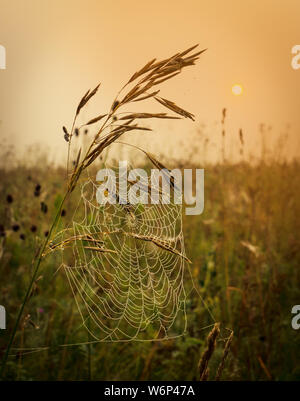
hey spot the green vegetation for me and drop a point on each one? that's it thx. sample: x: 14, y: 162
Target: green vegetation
x: 246, y: 256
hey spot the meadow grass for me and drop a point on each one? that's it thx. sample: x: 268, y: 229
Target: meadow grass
x: 245, y: 254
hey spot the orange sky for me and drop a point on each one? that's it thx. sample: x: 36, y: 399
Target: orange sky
x: 56, y: 50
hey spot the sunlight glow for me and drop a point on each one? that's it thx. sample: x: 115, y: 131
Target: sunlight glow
x: 237, y: 89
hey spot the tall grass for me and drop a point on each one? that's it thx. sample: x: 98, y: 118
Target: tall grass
x: 262, y: 248
x: 244, y: 248
x: 137, y: 89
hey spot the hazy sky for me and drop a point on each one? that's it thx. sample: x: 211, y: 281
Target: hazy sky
x: 57, y: 49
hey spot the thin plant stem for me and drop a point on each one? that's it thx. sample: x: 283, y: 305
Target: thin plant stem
x: 155, y: 74
x: 28, y: 292
x: 89, y: 352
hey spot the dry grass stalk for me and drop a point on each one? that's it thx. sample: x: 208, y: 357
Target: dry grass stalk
x: 160, y: 243
x: 242, y: 143
x: 152, y: 74
x: 96, y: 119
x: 66, y: 242
x: 172, y: 106
x: 156, y: 163
x: 88, y: 238
x: 264, y: 367
x: 149, y: 76
x: 152, y: 94
x: 148, y: 115
x: 86, y: 98
x: 225, y: 354
x: 205, y: 375
x: 207, y: 354
x: 94, y: 248
x: 241, y: 136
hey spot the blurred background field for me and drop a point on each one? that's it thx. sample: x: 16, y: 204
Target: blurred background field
x: 245, y: 247
x: 245, y: 250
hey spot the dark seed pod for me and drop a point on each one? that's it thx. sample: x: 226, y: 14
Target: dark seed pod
x: 66, y: 136
x: 116, y: 104
x: 46, y: 233
x: 76, y: 131
x: 38, y: 187
x: 63, y: 213
x: 86, y: 131
x: 2, y: 231
x: 2, y: 228
x: 22, y: 237
x: 44, y: 207
x: 15, y: 227
x: 33, y: 228
x: 9, y: 198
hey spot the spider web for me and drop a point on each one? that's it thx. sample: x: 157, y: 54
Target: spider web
x: 126, y: 266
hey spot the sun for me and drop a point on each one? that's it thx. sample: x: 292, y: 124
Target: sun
x: 237, y: 89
